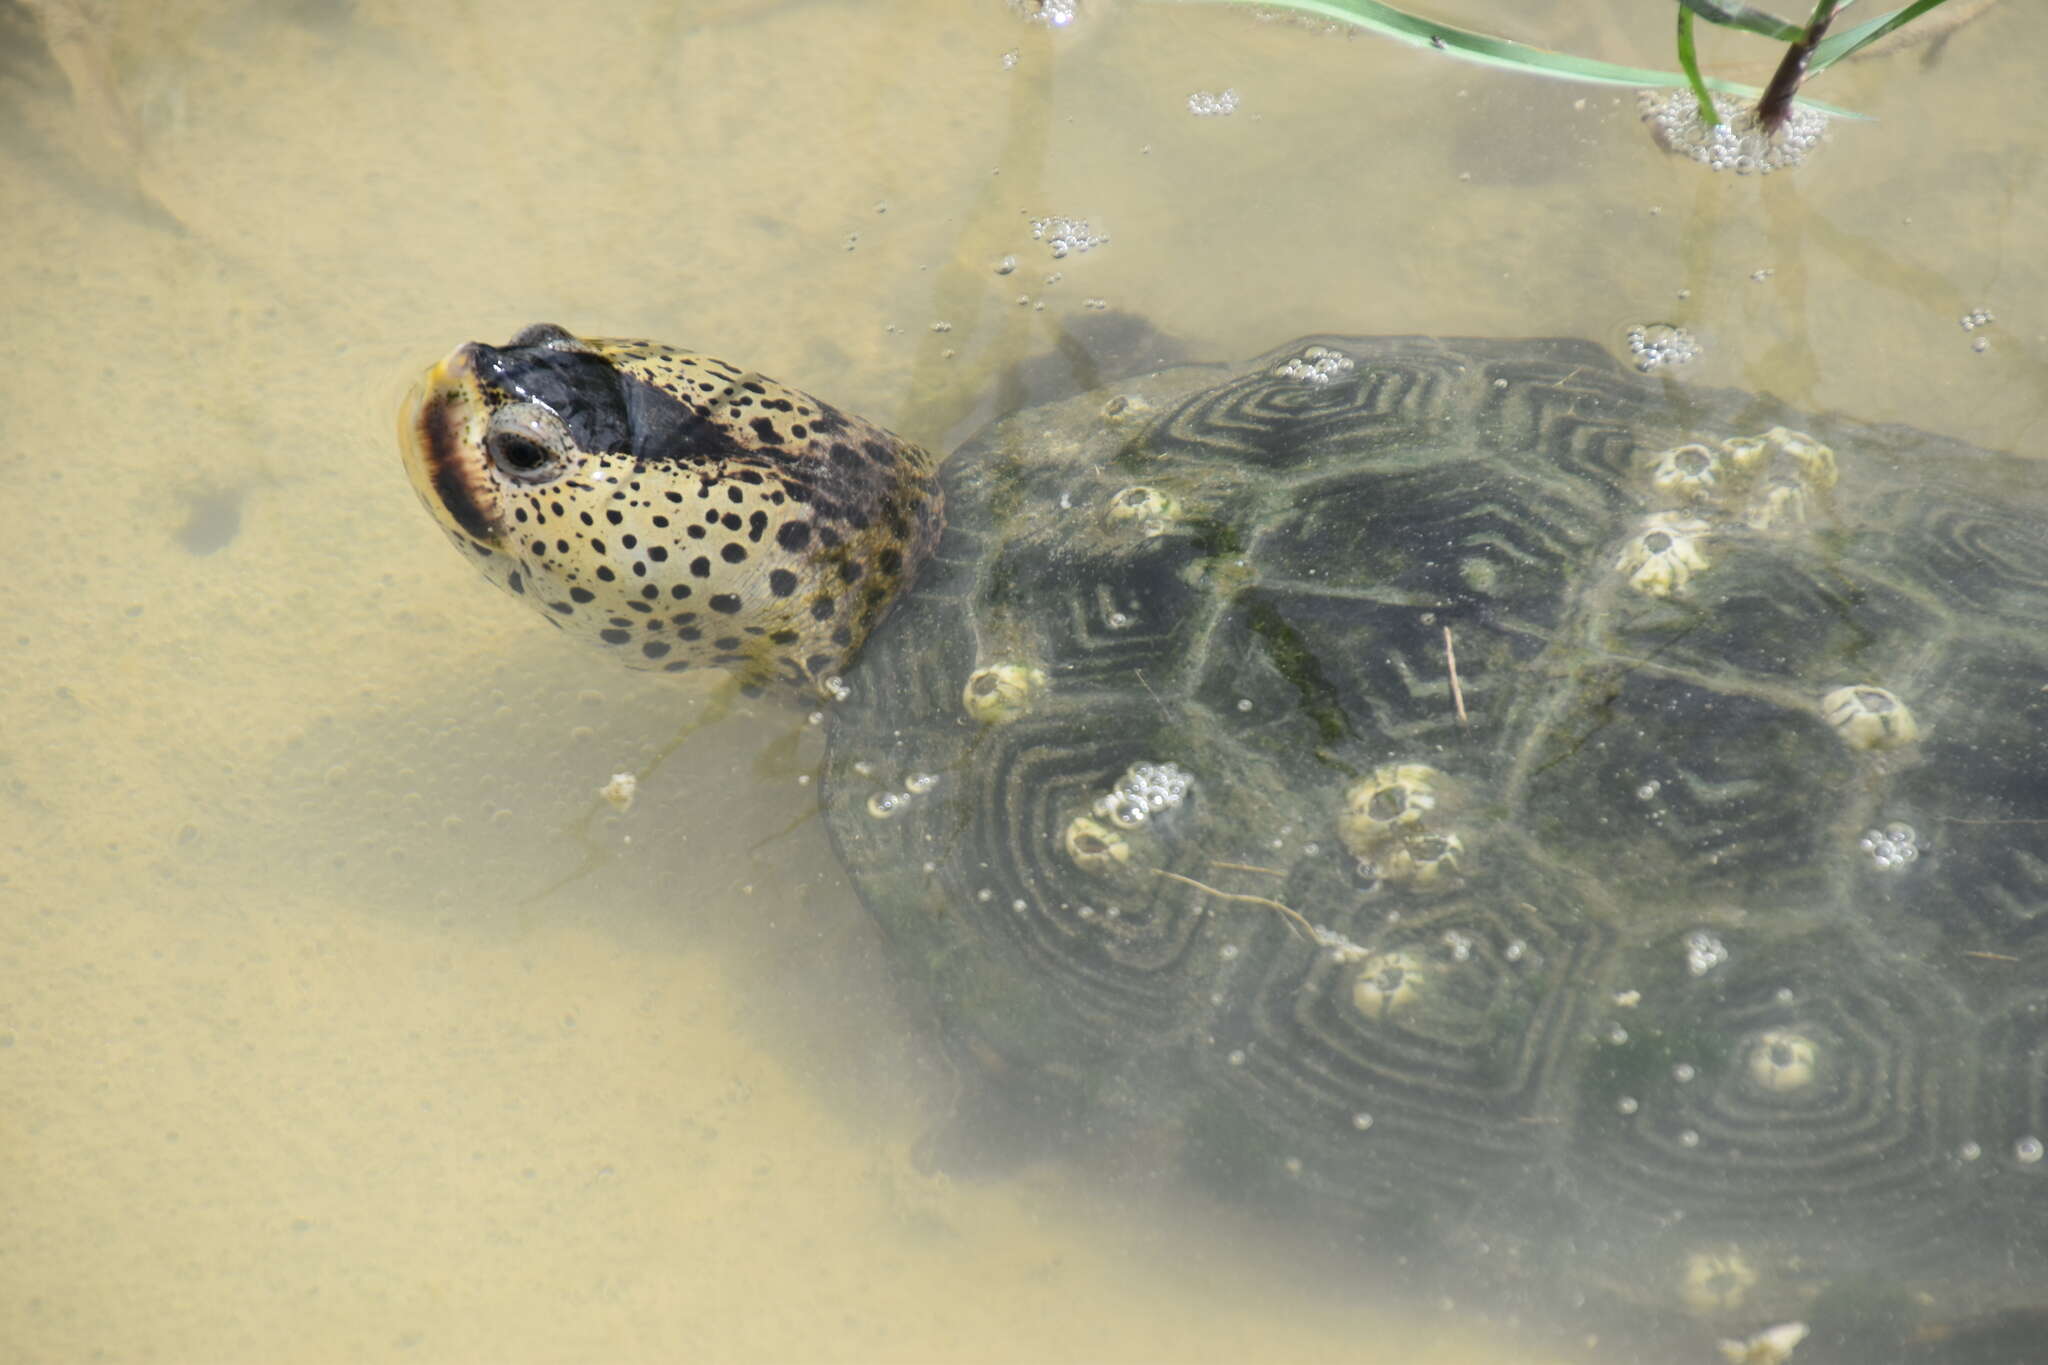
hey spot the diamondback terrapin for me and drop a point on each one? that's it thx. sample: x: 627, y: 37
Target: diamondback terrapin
x: 1587, y: 828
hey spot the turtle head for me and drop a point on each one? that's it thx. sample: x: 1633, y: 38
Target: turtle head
x: 668, y: 506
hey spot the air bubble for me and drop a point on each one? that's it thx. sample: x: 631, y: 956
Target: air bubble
x: 1684, y: 1071
x: 1208, y: 104
x: 1317, y: 365
x: 1689, y: 1138
x: 1236, y: 1057
x: 1969, y: 1151
x: 1738, y: 142
x: 1648, y: 791
x: 1244, y: 703
x: 1361, y: 1121
x: 1627, y: 1104
x: 1703, y: 952
x: 1655, y: 345
x: 917, y: 784
x: 2027, y: 1150
x: 1063, y: 235
x: 882, y: 805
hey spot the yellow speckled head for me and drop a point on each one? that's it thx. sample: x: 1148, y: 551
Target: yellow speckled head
x: 668, y: 506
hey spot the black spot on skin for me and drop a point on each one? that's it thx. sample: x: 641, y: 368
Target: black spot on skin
x: 782, y: 582
x: 696, y: 532
x: 683, y: 618
x: 642, y: 607
x: 614, y: 637
x: 658, y: 553
x: 733, y: 554
x: 654, y: 649
x: 614, y: 515
x: 585, y: 518
x: 798, y: 492
x: 650, y: 592
x: 731, y: 521
x: 730, y: 642
x: 821, y: 608
x: 793, y: 535
x: 748, y: 476
x: 516, y: 583
x: 639, y: 569
x: 725, y: 602
x: 582, y: 594
x: 689, y: 633
x: 735, y: 495
x: 757, y: 524
x: 889, y: 561
x: 673, y: 496
x: 598, y: 546
x: 827, y: 537
x: 764, y: 428
x: 661, y: 523
x: 630, y: 542
x: 784, y: 637
x: 605, y: 575
x: 818, y: 663
x: 562, y: 607
x: 842, y: 637
x: 800, y: 432
x: 849, y: 570
x: 676, y: 666
x: 679, y: 591
x: 540, y: 549
x: 561, y: 547
x: 700, y: 567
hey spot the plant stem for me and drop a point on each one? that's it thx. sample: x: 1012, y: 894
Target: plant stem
x: 1776, y: 105
x: 1689, y: 62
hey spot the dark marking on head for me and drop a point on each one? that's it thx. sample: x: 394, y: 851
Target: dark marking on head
x: 438, y: 437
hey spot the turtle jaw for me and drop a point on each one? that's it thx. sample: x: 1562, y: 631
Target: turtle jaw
x: 441, y: 439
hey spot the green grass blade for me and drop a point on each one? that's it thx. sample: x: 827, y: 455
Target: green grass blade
x: 1689, y: 62
x: 1499, y: 52
x: 1733, y: 14
x: 1832, y: 50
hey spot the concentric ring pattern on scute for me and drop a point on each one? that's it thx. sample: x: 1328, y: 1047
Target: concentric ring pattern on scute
x: 1615, y: 825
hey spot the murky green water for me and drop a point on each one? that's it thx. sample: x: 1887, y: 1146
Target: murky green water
x: 332, y: 1028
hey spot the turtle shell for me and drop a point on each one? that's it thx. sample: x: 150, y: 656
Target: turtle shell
x: 1588, y: 827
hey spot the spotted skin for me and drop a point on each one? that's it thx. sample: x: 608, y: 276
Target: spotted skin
x: 670, y: 507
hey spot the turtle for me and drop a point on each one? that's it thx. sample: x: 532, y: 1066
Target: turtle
x: 1558, y: 827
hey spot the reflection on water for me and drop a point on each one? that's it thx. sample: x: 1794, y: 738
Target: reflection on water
x: 338, y: 1023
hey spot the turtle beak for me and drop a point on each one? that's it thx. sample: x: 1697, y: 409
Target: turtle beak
x: 440, y: 437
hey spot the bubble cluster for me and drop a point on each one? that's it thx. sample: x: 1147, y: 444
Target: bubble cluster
x: 1654, y: 345
x: 1975, y: 318
x: 1066, y: 235
x: 1892, y: 847
x: 1316, y: 365
x: 1212, y: 104
x: 1738, y: 142
x: 620, y: 791
x: 1051, y: 13
x: 1143, y: 791
x: 1704, y: 952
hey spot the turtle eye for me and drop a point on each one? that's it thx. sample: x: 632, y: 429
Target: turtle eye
x: 527, y: 442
